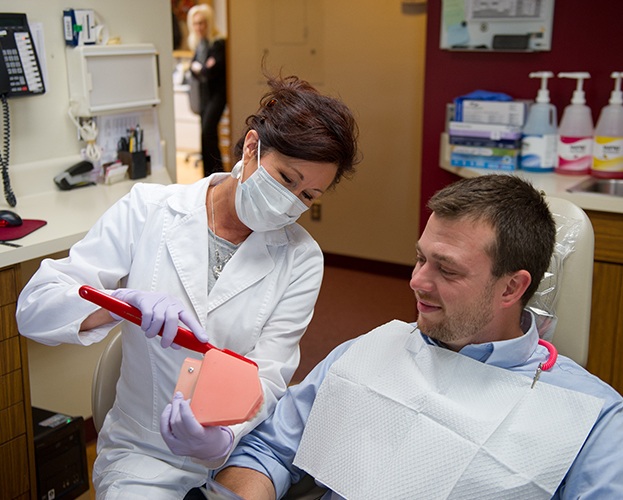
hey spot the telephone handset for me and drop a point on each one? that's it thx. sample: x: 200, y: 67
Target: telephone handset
x: 20, y: 75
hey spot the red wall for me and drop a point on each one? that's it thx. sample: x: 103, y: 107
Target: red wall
x: 587, y: 36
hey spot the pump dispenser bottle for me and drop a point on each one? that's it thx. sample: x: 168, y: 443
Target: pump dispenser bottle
x: 575, y: 133
x: 539, y: 139
x: 608, y: 145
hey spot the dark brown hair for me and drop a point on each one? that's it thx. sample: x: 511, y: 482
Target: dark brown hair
x: 297, y: 121
x: 524, y: 227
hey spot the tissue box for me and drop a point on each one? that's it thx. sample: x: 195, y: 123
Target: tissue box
x: 479, y: 157
x: 499, y: 112
x: 460, y: 140
x: 490, y: 131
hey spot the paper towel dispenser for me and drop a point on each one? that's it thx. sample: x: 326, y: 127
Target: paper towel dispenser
x: 519, y: 25
x: 112, y: 78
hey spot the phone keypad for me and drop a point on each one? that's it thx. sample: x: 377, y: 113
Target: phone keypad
x: 17, y: 79
x: 21, y: 64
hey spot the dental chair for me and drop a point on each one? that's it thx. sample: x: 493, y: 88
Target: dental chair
x: 105, y: 376
x: 575, y: 283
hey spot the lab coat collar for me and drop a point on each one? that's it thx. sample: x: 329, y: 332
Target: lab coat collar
x: 186, y: 236
x: 194, y: 195
x: 188, y: 249
x: 193, y: 199
x: 504, y: 353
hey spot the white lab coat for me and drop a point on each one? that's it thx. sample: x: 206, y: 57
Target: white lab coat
x: 156, y: 238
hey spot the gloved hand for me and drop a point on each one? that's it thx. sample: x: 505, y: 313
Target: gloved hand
x: 185, y: 436
x: 160, y: 312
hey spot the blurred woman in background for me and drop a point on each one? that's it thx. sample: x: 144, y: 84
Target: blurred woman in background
x: 208, y: 84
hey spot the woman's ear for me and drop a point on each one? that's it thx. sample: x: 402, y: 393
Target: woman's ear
x: 249, y: 149
x: 515, y: 286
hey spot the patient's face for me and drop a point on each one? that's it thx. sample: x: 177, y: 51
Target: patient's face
x: 455, y: 291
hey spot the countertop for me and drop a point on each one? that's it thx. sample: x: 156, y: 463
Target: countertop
x: 69, y: 214
x: 551, y: 183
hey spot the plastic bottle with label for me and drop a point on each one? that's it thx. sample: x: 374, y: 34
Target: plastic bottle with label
x: 608, y: 144
x: 540, y: 133
x: 575, y: 132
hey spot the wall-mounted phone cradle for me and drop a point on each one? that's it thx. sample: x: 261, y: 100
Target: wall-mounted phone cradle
x: 20, y: 73
x: 112, y: 78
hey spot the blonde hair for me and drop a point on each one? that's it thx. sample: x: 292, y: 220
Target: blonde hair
x: 212, y: 32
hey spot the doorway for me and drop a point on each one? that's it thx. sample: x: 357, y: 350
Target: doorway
x: 187, y: 121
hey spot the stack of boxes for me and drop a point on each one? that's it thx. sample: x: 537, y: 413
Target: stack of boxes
x: 486, y: 134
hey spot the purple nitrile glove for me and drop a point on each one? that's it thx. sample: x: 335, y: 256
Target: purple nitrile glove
x: 160, y: 311
x: 185, y: 436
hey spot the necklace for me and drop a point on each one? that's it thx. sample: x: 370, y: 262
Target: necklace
x: 218, y: 266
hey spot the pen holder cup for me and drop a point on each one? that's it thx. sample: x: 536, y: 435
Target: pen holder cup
x: 138, y: 164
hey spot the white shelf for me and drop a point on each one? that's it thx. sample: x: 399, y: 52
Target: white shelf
x: 551, y: 183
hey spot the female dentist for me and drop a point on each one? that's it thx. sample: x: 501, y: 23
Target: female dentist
x: 224, y: 256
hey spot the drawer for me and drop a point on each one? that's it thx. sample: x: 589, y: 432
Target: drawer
x: 8, y: 325
x: 608, y: 229
x: 12, y: 422
x: 11, y: 389
x: 8, y: 291
x: 15, y: 468
x: 10, y: 356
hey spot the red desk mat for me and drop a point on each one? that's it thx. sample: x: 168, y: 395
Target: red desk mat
x: 17, y: 232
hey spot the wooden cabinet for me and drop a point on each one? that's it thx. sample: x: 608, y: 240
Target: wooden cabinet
x: 605, y: 355
x: 17, y: 465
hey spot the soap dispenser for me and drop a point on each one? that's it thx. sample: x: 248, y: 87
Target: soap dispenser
x: 539, y: 137
x: 575, y: 133
x: 608, y: 144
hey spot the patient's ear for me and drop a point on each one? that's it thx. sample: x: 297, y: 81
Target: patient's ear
x: 516, y: 285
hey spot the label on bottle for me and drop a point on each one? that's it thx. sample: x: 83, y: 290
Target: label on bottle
x: 575, y: 155
x: 608, y: 154
x: 538, y: 152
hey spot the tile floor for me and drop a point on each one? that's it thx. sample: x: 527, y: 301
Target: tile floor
x: 189, y: 168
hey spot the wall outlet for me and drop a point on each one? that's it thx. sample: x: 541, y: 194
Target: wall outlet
x: 315, y: 211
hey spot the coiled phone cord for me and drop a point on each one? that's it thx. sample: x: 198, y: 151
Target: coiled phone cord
x: 9, y: 196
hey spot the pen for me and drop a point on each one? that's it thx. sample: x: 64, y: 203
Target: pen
x: 9, y: 244
x: 139, y: 138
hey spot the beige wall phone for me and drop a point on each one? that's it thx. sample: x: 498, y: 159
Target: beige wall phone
x: 20, y: 75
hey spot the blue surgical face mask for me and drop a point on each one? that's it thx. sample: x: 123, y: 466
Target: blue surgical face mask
x: 263, y: 203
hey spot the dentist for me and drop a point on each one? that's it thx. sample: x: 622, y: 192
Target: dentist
x: 225, y: 257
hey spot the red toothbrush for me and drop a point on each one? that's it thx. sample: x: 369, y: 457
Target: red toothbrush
x: 224, y: 388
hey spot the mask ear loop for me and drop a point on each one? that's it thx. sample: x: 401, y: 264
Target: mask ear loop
x: 258, y: 152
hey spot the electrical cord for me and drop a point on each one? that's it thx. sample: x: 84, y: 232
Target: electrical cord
x: 9, y: 196
x: 88, y: 133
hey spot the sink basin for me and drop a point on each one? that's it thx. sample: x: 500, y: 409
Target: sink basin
x: 612, y: 187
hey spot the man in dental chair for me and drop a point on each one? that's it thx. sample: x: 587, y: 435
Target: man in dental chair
x: 465, y: 403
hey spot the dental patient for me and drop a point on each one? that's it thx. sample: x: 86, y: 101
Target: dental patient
x: 450, y: 406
